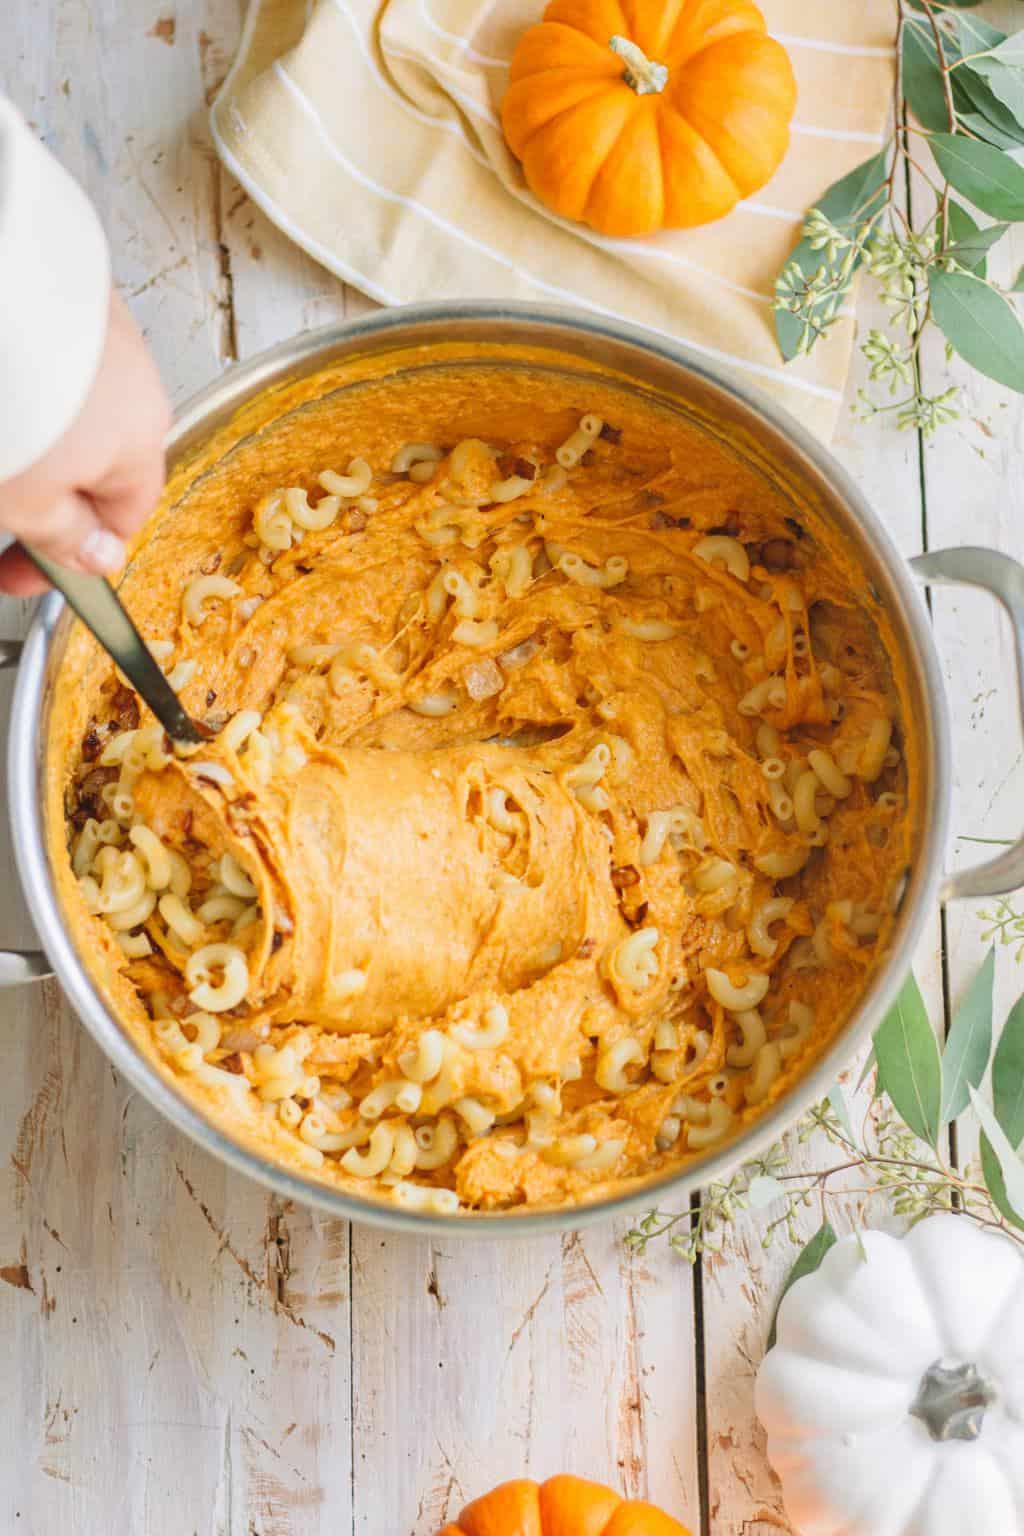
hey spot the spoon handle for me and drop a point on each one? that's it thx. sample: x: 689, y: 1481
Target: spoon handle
x: 101, y: 610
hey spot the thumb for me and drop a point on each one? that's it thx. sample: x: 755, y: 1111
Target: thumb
x: 72, y: 535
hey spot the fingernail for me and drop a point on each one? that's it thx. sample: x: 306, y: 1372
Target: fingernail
x: 102, y: 552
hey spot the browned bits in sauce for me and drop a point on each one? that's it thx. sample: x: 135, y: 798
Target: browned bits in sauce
x: 778, y: 555
x: 509, y: 464
x: 210, y: 563
x: 566, y: 634
x: 92, y: 744
x: 126, y: 709
x: 90, y: 791
x: 796, y: 529
x: 588, y: 458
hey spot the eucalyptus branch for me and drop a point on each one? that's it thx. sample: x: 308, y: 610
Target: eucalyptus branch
x: 1004, y: 925
x: 947, y: 89
x: 940, y: 54
x: 930, y: 264
x: 913, y: 1185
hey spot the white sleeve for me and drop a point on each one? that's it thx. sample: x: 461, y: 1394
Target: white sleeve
x: 54, y: 296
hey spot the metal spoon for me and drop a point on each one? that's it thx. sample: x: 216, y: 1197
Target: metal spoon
x: 101, y: 610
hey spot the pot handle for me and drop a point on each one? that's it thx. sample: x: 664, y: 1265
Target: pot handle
x: 19, y: 965
x: 1004, y: 579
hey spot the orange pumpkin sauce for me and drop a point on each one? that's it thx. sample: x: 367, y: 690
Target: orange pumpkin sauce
x: 520, y: 779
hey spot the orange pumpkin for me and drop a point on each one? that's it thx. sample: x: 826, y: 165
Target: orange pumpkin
x: 563, y: 1506
x: 634, y: 115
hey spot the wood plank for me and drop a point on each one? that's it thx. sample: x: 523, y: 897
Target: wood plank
x: 288, y: 1468
x: 742, y: 1283
x: 476, y: 1361
x: 517, y: 1358
x: 109, y: 1401
x: 162, y: 1314
x: 970, y: 498
x: 973, y: 496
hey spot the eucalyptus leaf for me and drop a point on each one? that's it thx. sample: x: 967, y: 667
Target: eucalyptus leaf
x: 968, y: 243
x: 982, y: 174
x: 1008, y: 1075
x: 922, y: 78
x: 841, y: 1110
x: 980, y: 324
x: 1008, y: 1105
x: 982, y: 128
x: 909, y: 1068
x: 1018, y: 282
x: 979, y: 108
x: 977, y: 102
x: 1005, y: 81
x: 1010, y: 1165
x: 849, y: 203
x: 973, y: 35
x: 763, y: 1191
x: 808, y: 1260
x: 970, y: 1042
x: 1011, y: 52
x: 867, y: 1069
x: 996, y: 1184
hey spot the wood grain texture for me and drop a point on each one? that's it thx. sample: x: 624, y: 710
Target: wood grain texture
x: 194, y: 1356
x: 181, y: 1340
x: 741, y: 1285
x: 972, y: 494
x: 515, y: 1359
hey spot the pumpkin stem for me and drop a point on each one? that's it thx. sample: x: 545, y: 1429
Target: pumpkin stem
x: 952, y: 1399
x: 641, y: 74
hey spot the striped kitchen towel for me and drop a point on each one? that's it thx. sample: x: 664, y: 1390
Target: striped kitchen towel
x: 370, y: 133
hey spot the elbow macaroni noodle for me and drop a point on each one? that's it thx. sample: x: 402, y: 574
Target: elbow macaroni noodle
x: 719, y: 734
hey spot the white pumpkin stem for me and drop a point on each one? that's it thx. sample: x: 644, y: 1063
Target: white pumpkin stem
x: 952, y: 1399
x: 641, y: 74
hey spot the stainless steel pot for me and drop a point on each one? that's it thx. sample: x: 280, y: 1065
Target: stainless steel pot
x: 778, y: 447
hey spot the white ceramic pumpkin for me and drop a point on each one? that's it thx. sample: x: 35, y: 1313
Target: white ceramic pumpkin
x: 894, y: 1396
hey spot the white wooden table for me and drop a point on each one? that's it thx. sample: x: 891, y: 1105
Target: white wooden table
x: 186, y: 1355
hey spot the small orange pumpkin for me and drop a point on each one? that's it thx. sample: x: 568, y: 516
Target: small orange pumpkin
x: 637, y: 115
x: 563, y: 1506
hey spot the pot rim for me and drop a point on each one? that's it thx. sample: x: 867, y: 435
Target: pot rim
x: 25, y: 806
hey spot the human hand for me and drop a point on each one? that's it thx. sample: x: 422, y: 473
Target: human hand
x: 98, y: 482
